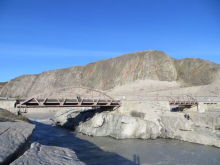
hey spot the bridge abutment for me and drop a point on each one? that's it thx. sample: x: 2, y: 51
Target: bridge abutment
x: 8, y: 105
x: 202, y: 107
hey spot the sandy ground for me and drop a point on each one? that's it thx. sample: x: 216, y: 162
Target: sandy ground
x: 153, y: 90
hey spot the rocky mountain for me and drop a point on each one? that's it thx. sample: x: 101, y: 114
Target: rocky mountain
x: 2, y: 84
x: 109, y: 73
x: 194, y: 72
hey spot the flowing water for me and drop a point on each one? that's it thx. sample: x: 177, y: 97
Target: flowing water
x: 106, y: 150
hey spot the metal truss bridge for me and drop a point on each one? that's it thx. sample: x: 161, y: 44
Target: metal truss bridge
x: 68, y: 97
x: 182, y: 100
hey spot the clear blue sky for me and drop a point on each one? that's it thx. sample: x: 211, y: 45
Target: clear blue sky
x: 40, y: 35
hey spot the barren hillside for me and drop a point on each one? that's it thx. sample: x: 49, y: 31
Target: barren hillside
x: 115, y: 72
x: 2, y: 84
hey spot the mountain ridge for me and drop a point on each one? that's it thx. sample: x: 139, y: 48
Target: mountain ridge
x: 109, y: 73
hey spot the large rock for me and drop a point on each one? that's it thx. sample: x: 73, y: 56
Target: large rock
x: 130, y: 121
x: 209, y: 119
x: 13, y: 138
x: 199, y: 137
x: 119, y: 126
x: 42, y: 154
x: 176, y: 126
x: 115, y: 125
x: 146, y: 110
x: 176, y: 122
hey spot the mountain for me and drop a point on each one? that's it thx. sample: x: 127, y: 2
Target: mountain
x: 110, y: 73
x: 194, y: 71
x: 2, y: 84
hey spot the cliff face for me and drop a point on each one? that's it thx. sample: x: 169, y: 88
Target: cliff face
x: 107, y: 74
x: 193, y: 72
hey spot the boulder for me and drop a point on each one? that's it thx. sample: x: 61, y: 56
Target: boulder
x: 13, y: 139
x: 43, y: 154
x: 115, y: 125
x: 181, y: 128
x: 209, y: 119
x: 157, y: 122
x: 176, y: 122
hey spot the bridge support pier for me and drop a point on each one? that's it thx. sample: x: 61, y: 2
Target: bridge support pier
x: 202, y: 107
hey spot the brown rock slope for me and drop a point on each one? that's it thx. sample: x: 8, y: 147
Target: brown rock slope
x: 2, y: 84
x: 194, y: 72
x: 107, y: 74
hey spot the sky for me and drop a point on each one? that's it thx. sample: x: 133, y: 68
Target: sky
x: 41, y: 35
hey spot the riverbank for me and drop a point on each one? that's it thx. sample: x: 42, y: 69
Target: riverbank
x: 14, y: 136
x: 110, y: 151
x: 18, y: 148
x: 145, y: 120
x: 134, y: 120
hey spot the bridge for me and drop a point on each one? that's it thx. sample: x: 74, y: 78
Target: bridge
x: 88, y: 97
x: 68, y: 97
x: 183, y: 100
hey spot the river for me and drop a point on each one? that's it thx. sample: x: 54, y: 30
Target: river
x: 109, y: 151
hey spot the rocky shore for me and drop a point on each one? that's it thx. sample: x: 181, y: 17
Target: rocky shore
x: 133, y: 120
x: 44, y: 154
x: 14, y: 137
x: 145, y: 120
x: 17, y: 148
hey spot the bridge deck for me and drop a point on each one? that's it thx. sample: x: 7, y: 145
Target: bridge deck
x: 43, y: 103
x: 183, y: 103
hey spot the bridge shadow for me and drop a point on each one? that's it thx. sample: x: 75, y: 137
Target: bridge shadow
x: 182, y: 108
x: 175, y: 109
x: 86, y: 151
x: 73, y: 122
